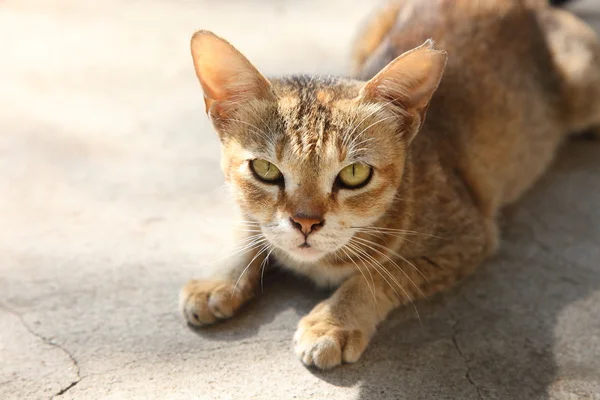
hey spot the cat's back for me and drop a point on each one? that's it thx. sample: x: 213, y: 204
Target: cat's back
x: 497, y: 113
x: 496, y: 48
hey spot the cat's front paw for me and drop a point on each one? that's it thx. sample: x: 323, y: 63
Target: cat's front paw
x: 206, y: 302
x: 323, y: 341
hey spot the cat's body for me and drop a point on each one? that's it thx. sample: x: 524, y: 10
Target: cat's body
x: 425, y: 216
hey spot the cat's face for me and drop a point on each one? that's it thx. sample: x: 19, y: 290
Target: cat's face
x: 296, y: 166
x: 312, y: 160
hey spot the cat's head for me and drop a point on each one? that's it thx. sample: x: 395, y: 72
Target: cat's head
x: 311, y: 159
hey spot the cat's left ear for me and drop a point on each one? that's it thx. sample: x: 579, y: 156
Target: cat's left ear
x: 228, y: 79
x: 408, y: 83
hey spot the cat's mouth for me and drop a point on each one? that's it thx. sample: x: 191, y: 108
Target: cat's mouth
x: 307, y: 252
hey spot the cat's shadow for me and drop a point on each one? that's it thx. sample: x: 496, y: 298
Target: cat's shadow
x: 498, y: 334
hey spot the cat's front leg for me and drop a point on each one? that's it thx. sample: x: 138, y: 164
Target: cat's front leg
x: 204, y: 302
x: 339, y: 329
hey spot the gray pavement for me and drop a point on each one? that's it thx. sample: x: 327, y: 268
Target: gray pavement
x: 111, y: 199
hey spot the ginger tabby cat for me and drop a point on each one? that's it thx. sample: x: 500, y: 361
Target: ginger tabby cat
x: 346, y: 182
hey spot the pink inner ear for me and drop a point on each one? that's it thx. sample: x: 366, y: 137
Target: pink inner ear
x: 410, y: 80
x: 214, y: 84
x: 215, y: 76
x: 224, y: 73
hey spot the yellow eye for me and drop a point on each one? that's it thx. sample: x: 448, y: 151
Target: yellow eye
x: 265, y: 170
x: 355, y: 175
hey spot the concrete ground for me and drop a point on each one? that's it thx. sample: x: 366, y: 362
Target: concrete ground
x: 111, y: 200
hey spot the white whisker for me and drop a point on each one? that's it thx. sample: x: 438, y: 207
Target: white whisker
x: 375, y: 123
x: 265, y: 247
x: 252, y: 245
x: 397, y: 231
x: 379, y: 268
x: 374, y: 232
x: 371, y: 289
x: 394, y: 263
x: 263, y: 265
x: 375, y: 111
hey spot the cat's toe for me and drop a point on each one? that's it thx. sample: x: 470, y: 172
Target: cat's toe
x: 355, y: 345
x: 205, y: 302
x: 326, y: 346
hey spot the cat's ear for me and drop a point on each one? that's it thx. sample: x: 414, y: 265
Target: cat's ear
x: 409, y: 82
x: 228, y: 79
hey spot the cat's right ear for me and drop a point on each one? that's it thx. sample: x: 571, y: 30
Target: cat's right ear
x: 408, y: 83
x: 228, y: 79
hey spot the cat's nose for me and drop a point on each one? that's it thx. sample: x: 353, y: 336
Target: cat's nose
x: 307, y: 224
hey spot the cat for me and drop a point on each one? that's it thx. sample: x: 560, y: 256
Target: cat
x: 344, y: 180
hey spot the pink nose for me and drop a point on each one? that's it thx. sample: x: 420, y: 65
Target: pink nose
x: 307, y: 224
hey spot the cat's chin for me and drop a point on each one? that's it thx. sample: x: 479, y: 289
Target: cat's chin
x: 306, y: 254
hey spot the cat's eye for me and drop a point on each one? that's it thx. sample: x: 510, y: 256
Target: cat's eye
x: 265, y: 171
x: 355, y: 176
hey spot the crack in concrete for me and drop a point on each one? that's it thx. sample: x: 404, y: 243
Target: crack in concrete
x: 51, y: 343
x: 464, y: 357
x: 67, y: 388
